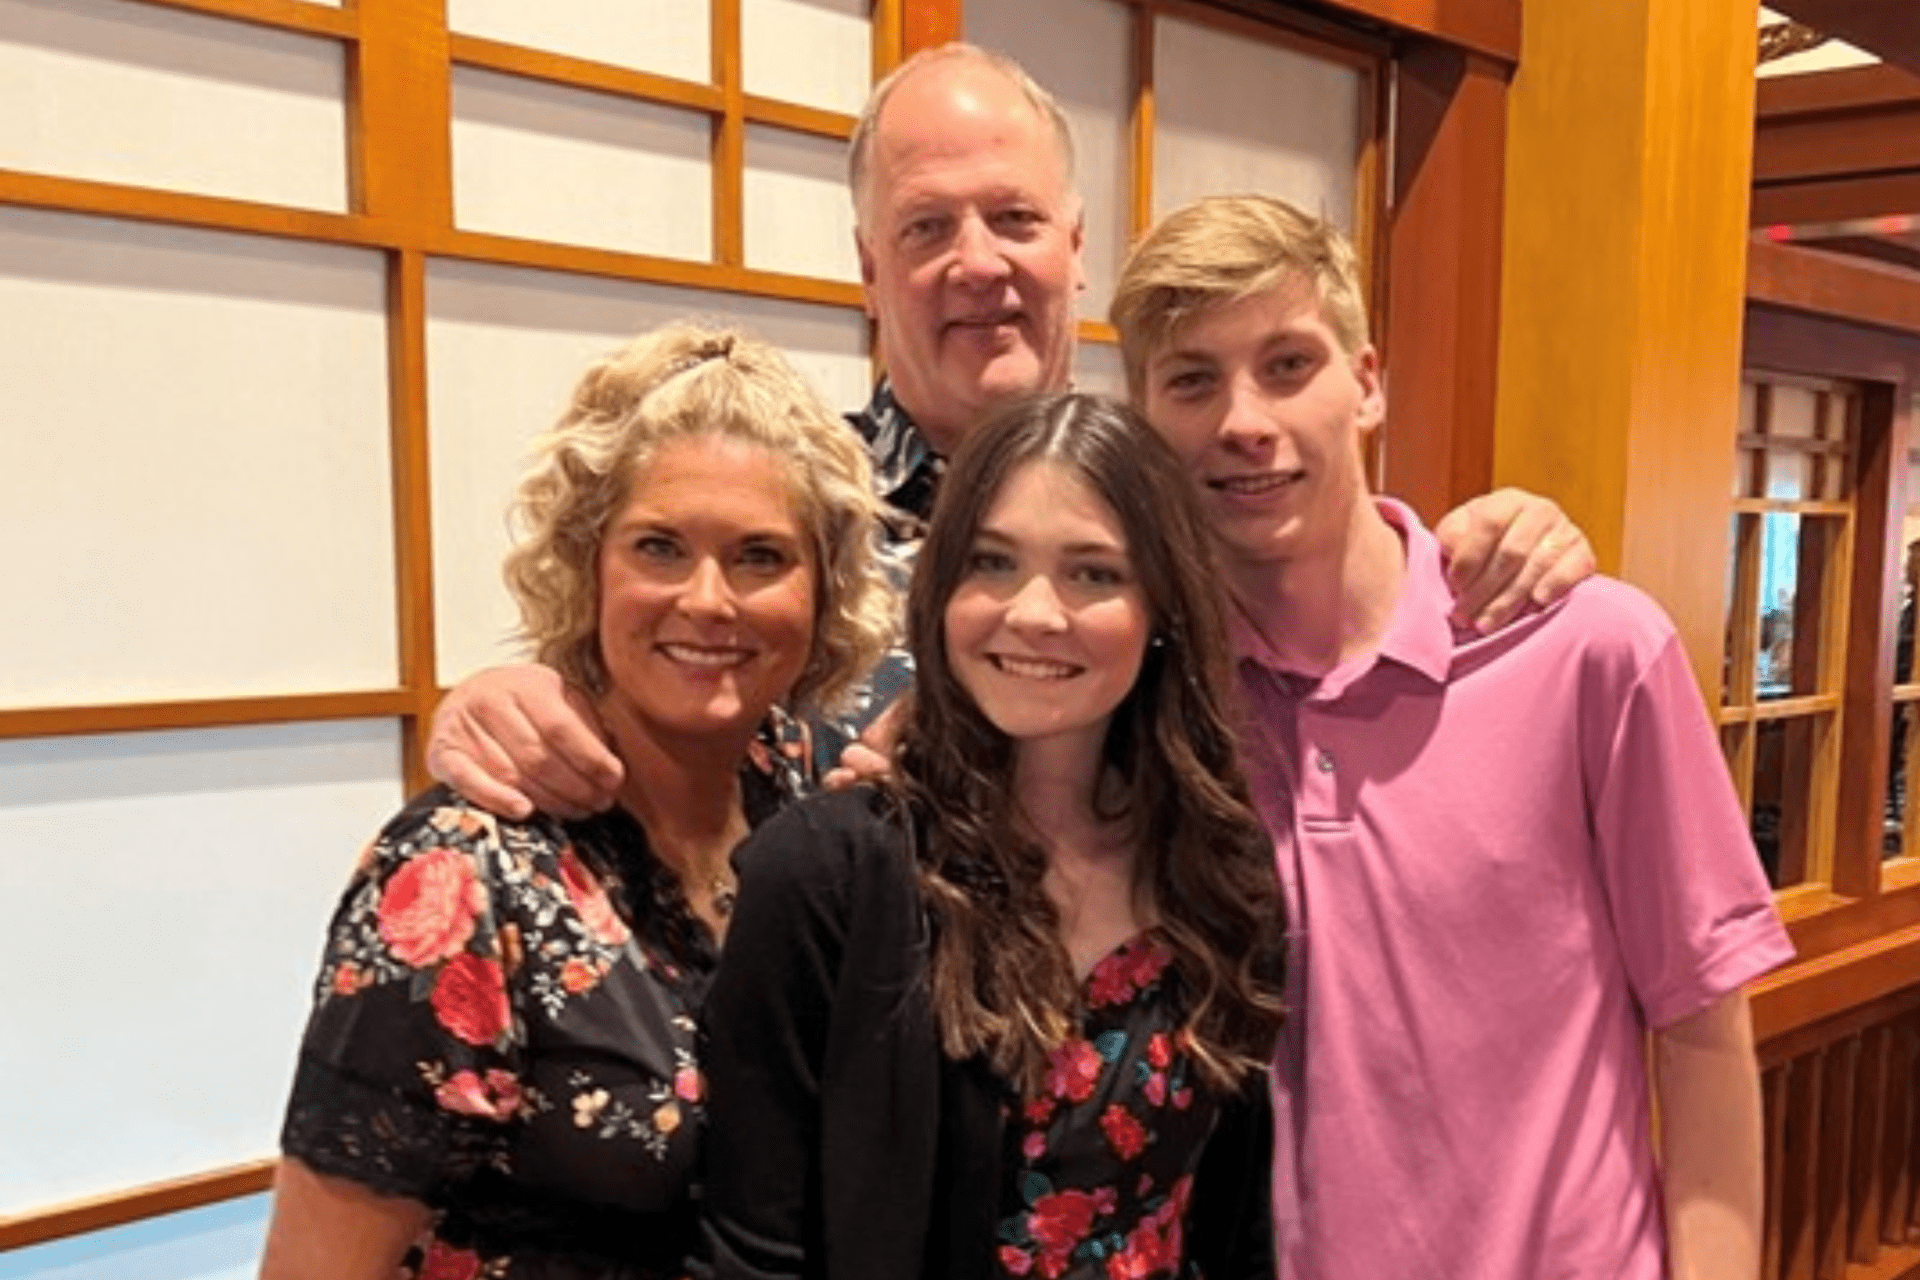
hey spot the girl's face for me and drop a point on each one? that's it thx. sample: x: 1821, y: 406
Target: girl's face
x: 1048, y: 626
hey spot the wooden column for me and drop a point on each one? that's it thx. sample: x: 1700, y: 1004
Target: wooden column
x: 1439, y: 328
x: 1630, y: 138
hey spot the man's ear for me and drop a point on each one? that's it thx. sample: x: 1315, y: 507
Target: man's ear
x: 1080, y: 249
x: 1372, y: 410
x: 866, y: 273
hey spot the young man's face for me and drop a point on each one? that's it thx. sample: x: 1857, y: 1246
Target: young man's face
x: 1268, y: 411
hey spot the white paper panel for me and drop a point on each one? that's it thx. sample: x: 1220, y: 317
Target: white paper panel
x: 168, y: 894
x: 815, y: 52
x: 1237, y: 116
x: 504, y: 348
x: 153, y: 97
x: 666, y: 37
x: 549, y: 163
x: 798, y: 214
x: 196, y: 498
x: 1081, y: 50
x: 1097, y: 367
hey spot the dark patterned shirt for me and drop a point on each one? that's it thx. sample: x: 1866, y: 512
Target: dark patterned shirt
x: 906, y: 476
x: 503, y: 1030
x: 1104, y: 1156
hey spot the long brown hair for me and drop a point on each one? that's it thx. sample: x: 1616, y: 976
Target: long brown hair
x: 1002, y: 983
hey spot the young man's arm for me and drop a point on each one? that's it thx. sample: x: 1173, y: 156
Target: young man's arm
x: 1507, y: 550
x: 515, y: 739
x: 1708, y: 1085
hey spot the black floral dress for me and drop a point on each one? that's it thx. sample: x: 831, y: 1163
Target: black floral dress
x: 503, y: 1029
x: 1104, y: 1158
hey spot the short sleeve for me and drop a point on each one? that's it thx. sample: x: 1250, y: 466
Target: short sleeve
x: 410, y: 1070
x: 1692, y: 909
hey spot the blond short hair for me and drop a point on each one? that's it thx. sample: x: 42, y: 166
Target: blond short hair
x: 1220, y: 250
x: 860, y: 147
x: 684, y: 382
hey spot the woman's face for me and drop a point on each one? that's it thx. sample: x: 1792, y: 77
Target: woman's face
x: 707, y: 587
x: 1048, y: 626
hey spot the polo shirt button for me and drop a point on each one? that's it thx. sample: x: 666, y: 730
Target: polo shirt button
x: 1323, y: 762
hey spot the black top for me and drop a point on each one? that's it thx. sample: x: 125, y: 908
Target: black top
x: 842, y: 1144
x: 503, y: 1029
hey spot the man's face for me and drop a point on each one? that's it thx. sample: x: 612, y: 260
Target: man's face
x: 970, y: 248
x: 1268, y: 410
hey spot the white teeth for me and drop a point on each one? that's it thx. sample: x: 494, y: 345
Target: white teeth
x: 1255, y: 484
x: 1035, y: 668
x: 700, y: 657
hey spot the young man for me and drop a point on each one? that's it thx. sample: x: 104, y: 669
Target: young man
x: 969, y: 232
x: 1507, y: 858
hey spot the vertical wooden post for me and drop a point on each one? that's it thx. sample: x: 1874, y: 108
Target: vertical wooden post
x: 1440, y: 325
x: 1630, y: 128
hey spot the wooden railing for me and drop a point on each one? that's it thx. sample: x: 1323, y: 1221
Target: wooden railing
x: 1842, y: 1102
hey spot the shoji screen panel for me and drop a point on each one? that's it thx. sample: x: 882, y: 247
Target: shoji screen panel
x: 504, y: 349
x: 157, y: 984
x: 1240, y: 112
x: 118, y: 91
x: 196, y: 465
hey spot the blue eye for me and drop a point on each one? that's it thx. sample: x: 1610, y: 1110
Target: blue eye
x: 764, y: 557
x: 989, y: 562
x: 656, y: 546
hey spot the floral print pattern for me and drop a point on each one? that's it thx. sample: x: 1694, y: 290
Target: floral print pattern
x: 1104, y: 1155
x: 503, y: 1028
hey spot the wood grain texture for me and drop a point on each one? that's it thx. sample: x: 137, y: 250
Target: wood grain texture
x: 204, y: 713
x: 97, y: 1213
x: 1491, y: 28
x: 281, y: 15
x: 1620, y: 363
x: 1439, y: 304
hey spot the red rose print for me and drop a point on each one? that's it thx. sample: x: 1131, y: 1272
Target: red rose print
x: 1034, y: 1145
x: 1109, y: 983
x: 590, y: 900
x: 1182, y: 1098
x: 1039, y: 1110
x: 495, y: 1097
x: 1145, y: 963
x: 1058, y: 1224
x: 1015, y: 1262
x: 1072, y: 1070
x: 1126, y: 1135
x: 689, y: 1085
x: 1159, y: 1050
x: 427, y: 909
x: 576, y: 975
x: 347, y: 980
x: 1156, y: 1089
x: 445, y: 1263
x: 470, y: 999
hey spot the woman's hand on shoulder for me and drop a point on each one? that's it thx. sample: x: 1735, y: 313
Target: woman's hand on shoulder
x: 516, y: 739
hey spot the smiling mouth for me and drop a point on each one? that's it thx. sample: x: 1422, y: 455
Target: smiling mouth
x: 1254, y: 486
x: 1001, y: 320
x: 1033, y: 668
x: 704, y: 655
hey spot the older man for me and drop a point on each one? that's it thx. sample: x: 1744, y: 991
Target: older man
x: 969, y: 231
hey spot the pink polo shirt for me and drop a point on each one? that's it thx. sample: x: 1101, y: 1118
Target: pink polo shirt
x: 1504, y: 859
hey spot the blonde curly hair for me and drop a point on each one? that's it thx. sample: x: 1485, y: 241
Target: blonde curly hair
x: 683, y: 382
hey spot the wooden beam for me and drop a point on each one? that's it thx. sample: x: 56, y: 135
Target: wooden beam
x: 1847, y: 89
x: 1439, y: 327
x: 1490, y: 28
x: 1620, y: 361
x: 1841, y: 199
x: 925, y: 24
x: 1889, y: 29
x: 1823, y: 284
x: 100, y: 1212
